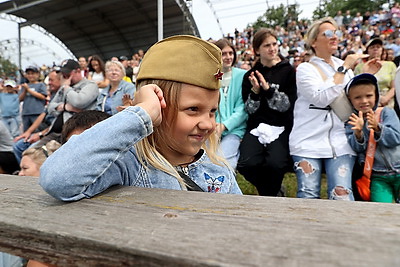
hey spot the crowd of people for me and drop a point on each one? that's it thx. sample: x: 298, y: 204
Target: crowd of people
x: 275, y: 115
x: 300, y: 99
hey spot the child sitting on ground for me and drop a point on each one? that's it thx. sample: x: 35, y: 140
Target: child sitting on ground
x: 167, y: 140
x: 363, y: 93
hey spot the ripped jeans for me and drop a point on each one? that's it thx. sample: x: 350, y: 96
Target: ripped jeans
x: 338, y: 172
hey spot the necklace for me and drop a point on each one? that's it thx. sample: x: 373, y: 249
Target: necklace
x: 226, y: 80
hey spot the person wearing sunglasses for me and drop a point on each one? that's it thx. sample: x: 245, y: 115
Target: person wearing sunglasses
x: 318, y: 139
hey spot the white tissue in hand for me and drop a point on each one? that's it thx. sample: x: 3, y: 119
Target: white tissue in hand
x: 267, y: 133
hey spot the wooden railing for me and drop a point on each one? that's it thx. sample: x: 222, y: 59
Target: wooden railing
x: 129, y: 226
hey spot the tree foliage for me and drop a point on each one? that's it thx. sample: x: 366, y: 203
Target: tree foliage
x: 331, y: 7
x: 7, y: 68
x: 283, y: 14
x: 280, y: 15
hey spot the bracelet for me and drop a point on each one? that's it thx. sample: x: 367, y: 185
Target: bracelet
x: 254, y: 90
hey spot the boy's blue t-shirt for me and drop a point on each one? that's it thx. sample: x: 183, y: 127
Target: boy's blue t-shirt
x: 9, y: 105
x: 33, y: 105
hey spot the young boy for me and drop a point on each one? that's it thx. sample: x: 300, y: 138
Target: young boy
x: 363, y: 93
x: 9, y: 106
x: 34, y: 96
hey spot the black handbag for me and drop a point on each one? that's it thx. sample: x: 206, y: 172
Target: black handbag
x: 58, y: 123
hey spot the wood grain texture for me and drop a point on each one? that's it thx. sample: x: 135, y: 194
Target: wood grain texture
x: 129, y: 226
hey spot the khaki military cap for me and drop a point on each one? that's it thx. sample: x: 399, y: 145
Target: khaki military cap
x: 183, y: 58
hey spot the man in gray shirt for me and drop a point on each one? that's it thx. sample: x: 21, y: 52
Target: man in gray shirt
x: 76, y: 93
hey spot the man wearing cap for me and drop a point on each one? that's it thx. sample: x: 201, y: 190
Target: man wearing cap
x: 128, y: 70
x: 33, y: 94
x: 76, y: 94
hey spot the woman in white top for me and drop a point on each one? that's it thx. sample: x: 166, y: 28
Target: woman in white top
x: 318, y: 139
x: 97, y: 72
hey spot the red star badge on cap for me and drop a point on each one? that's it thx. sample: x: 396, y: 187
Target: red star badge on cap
x: 218, y: 75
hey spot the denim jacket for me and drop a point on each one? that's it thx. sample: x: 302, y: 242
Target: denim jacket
x: 123, y: 88
x: 104, y: 156
x: 387, y: 155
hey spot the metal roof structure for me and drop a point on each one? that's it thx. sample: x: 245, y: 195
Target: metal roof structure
x: 104, y: 27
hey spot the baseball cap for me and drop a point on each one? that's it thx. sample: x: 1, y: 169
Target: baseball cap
x: 32, y: 68
x: 11, y: 83
x: 168, y: 60
x: 361, y: 77
x: 123, y: 58
x: 372, y: 42
x: 364, y: 78
x: 69, y: 65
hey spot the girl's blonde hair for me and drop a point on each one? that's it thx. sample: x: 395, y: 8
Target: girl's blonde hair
x: 40, y: 154
x: 313, y: 31
x: 148, y: 149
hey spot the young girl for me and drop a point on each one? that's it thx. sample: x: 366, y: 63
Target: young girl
x: 166, y: 140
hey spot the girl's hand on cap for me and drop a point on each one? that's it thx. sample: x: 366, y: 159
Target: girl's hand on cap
x: 150, y: 97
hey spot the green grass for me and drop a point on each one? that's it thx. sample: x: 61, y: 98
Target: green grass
x: 289, y: 182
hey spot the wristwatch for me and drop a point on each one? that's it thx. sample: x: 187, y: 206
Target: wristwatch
x: 40, y: 135
x: 342, y: 69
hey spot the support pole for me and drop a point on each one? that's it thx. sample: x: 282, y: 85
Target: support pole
x: 160, y: 19
x: 19, y: 53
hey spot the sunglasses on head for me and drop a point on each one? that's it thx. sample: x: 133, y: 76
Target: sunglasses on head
x: 330, y: 33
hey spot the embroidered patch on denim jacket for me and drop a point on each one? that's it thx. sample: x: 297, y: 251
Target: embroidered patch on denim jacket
x: 214, y: 184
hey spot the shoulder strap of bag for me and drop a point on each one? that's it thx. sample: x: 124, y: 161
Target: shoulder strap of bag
x: 323, y: 75
x: 371, y: 148
x: 190, y: 184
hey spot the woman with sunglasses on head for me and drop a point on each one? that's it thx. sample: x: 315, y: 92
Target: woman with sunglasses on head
x: 33, y: 158
x: 318, y: 139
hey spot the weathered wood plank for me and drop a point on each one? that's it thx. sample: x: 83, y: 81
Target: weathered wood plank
x: 137, y: 226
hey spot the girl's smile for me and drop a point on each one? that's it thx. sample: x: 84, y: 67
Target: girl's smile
x: 193, y: 125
